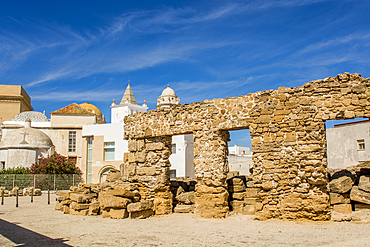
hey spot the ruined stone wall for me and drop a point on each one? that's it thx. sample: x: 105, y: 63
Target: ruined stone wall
x: 287, y: 127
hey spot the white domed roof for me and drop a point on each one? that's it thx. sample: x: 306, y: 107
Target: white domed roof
x: 26, y: 138
x: 34, y: 116
x: 168, y: 92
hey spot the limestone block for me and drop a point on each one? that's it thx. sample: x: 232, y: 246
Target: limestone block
x: 154, y: 146
x: 364, y: 183
x: 343, y: 208
x: 358, y: 195
x: 66, y: 209
x: 129, y: 169
x: 237, y: 206
x: 79, y: 206
x: 290, y: 137
x: 113, y: 175
x: 236, y: 181
x: 78, y: 197
x: 132, y: 147
x: 208, y: 189
x: 131, y: 157
x: 238, y: 196
x: 252, y: 192
x: 94, y: 208
x: 232, y: 174
x: 237, y: 188
x: 140, y: 156
x: 341, y: 185
x: 125, y: 157
x: 146, y: 171
x: 109, y: 201
x: 58, y: 206
x: 336, y: 198
x: 249, y: 209
x: 186, y: 198
x: 251, y: 201
x: 105, y: 213
x: 66, y: 202
x: 180, y: 208
x: 118, y: 213
x: 120, y: 192
x: 140, y: 206
x: 358, y: 89
x: 162, y: 205
x: 141, y: 214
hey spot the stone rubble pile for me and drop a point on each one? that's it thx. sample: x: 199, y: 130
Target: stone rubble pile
x: 184, y: 196
x: 350, y: 188
x: 116, y: 200
x: 24, y: 192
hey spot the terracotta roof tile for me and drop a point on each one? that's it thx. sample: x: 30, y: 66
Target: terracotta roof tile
x: 72, y: 109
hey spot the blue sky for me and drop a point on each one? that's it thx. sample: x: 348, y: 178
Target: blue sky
x: 86, y: 51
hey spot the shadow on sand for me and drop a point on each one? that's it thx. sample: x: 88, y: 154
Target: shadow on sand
x: 24, y: 237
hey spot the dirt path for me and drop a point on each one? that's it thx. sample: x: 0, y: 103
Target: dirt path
x: 38, y: 224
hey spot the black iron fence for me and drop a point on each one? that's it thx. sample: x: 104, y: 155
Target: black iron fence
x: 40, y: 181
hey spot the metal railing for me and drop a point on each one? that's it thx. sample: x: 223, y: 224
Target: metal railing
x: 40, y: 181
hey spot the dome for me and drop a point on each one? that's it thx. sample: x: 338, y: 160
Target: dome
x: 92, y: 108
x: 34, y: 116
x: 168, y: 92
x: 26, y: 138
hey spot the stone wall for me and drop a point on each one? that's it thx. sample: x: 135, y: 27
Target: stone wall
x: 287, y: 127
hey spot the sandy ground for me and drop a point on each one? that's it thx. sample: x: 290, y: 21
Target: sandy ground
x: 38, y: 224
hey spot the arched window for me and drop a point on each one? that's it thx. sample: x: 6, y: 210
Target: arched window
x: 103, y: 174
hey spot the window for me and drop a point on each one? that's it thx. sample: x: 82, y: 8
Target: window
x: 173, y: 148
x: 2, y: 165
x: 108, y: 151
x: 173, y: 174
x: 72, y: 141
x: 361, y: 144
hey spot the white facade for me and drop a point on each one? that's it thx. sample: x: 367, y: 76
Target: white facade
x: 240, y: 159
x: 182, y: 156
x: 348, y: 144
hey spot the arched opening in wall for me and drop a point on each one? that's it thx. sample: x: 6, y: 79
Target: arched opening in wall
x: 348, y: 142
x: 240, y: 152
x: 104, y: 172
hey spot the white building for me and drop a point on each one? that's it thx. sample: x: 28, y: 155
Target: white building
x: 348, y: 144
x: 105, y: 143
x: 240, y: 159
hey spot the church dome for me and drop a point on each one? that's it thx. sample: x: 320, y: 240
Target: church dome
x: 92, y: 108
x: 26, y: 138
x: 168, y: 98
x: 34, y: 116
x: 168, y: 92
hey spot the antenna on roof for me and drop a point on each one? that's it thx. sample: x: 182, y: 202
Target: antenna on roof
x: 129, y: 82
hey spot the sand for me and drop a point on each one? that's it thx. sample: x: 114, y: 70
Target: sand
x: 38, y: 224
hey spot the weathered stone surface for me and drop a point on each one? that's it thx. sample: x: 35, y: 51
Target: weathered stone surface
x: 120, y: 192
x: 78, y: 198
x: 186, y: 198
x: 211, y: 205
x: 109, y: 201
x: 336, y: 198
x: 341, y: 185
x: 141, y: 214
x: 78, y: 206
x: 343, y: 208
x: 140, y: 206
x: 66, y: 209
x: 94, y: 208
x: 237, y: 188
x: 118, y: 213
x: 249, y: 209
x: 78, y: 212
x: 361, y: 206
x: 358, y: 195
x: 183, y: 208
x: 364, y: 183
x: 113, y: 175
x: 237, y: 206
x: 58, y: 206
x: 252, y: 192
x: 238, y: 196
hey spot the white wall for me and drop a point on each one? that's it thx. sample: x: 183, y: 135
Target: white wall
x: 118, y: 112
x: 182, y: 161
x: 342, y: 146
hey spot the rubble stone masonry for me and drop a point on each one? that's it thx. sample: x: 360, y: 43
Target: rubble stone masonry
x: 287, y: 127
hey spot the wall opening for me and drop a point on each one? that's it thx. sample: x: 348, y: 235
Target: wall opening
x: 348, y: 142
x: 240, y: 151
x: 181, y: 159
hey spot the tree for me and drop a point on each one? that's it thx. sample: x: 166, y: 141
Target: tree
x: 55, y: 164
